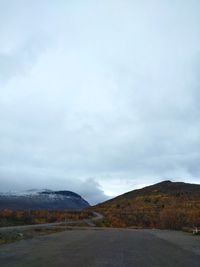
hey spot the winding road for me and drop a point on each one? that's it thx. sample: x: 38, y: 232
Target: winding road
x: 90, y: 222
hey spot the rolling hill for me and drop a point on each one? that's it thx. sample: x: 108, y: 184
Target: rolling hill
x: 166, y: 205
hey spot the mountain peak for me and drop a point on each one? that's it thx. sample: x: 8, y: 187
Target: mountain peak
x: 166, y: 182
x: 42, y: 199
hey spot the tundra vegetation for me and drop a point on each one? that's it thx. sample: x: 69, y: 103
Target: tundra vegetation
x: 166, y: 205
x: 22, y: 217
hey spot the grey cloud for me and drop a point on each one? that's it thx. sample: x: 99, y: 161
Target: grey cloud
x: 27, y: 178
x: 21, y: 60
x: 91, y: 190
x: 108, y: 90
x: 10, y: 66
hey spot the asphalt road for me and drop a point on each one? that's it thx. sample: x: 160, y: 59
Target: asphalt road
x: 104, y: 247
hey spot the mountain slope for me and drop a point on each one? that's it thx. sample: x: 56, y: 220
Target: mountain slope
x: 169, y: 205
x: 44, y: 199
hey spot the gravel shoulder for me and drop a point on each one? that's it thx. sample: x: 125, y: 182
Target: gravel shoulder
x: 184, y: 240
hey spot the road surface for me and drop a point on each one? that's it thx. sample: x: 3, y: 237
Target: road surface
x: 104, y: 248
x: 90, y: 222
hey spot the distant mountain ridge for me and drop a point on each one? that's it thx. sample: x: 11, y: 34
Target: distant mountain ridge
x: 42, y: 199
x: 168, y: 205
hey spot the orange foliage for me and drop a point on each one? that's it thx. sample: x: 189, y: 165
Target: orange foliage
x: 11, y: 217
x: 152, y: 211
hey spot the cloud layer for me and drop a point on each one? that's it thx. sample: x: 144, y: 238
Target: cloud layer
x: 99, y: 97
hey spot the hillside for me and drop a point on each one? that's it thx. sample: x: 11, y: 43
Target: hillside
x: 42, y: 199
x: 166, y: 205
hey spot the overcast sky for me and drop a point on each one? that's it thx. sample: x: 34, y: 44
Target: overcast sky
x: 99, y: 97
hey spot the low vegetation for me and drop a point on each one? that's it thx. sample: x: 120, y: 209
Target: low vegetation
x: 20, y: 217
x: 166, y: 205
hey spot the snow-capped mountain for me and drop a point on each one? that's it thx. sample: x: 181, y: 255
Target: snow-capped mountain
x: 42, y: 199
